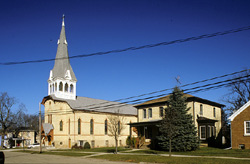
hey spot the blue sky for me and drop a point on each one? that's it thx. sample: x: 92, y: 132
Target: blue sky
x: 30, y: 29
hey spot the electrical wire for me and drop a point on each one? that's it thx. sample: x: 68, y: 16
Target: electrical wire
x: 136, y: 48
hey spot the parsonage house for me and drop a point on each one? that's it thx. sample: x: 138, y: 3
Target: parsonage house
x: 71, y: 119
x: 206, y: 116
x: 240, y: 127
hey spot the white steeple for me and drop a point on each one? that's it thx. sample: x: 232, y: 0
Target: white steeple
x: 62, y: 80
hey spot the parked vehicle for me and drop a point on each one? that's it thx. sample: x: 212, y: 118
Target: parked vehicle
x: 33, y: 145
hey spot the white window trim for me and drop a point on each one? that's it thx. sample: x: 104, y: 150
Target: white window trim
x: 205, y: 132
x: 245, y: 132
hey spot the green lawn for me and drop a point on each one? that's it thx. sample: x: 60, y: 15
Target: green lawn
x: 102, y: 150
x: 204, y: 151
x: 64, y: 153
x: 172, y: 160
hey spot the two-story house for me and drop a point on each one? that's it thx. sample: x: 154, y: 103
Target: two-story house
x: 206, y: 116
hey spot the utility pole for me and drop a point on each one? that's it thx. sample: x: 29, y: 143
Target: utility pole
x: 40, y: 127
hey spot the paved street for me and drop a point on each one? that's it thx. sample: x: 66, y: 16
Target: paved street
x: 21, y: 158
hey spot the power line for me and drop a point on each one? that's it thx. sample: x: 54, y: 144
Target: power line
x: 137, y: 48
x: 197, y: 82
x: 186, y: 91
x: 199, y: 88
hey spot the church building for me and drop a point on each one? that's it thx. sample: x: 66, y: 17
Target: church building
x: 75, y: 120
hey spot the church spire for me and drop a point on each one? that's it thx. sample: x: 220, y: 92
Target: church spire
x: 62, y: 80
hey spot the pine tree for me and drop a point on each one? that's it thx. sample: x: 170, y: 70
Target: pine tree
x: 177, y: 131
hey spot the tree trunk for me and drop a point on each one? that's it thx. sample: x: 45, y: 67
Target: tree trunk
x: 116, y: 143
x: 170, y: 147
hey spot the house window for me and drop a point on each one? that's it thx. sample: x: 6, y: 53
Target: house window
x: 209, y: 131
x: 144, y: 113
x: 91, y: 126
x: 150, y: 113
x: 202, y: 132
x: 201, y: 110
x: 246, y: 127
x: 61, y: 125
x: 106, y: 127
x: 212, y: 131
x: 214, y: 111
x: 161, y: 111
x: 79, y: 126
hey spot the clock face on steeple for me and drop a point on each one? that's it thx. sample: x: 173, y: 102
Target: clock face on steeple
x: 62, y: 75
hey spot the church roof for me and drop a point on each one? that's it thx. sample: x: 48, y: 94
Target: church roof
x: 93, y: 105
x: 62, y: 63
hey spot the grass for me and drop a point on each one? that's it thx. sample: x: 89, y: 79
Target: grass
x: 101, y: 150
x: 63, y: 153
x: 168, y: 160
x: 204, y: 151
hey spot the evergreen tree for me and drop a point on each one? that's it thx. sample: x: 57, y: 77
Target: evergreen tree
x: 177, y: 131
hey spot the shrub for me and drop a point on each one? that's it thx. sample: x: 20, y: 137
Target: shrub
x: 86, y: 145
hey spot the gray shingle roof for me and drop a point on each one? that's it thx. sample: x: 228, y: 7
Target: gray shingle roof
x: 91, y: 104
x: 62, y: 65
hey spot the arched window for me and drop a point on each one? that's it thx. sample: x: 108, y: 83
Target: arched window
x: 60, y: 86
x: 53, y: 88
x: 119, y: 127
x: 50, y: 88
x: 61, y: 125
x: 106, y: 127
x: 79, y: 126
x: 91, y: 126
x: 71, y: 88
x: 66, y: 87
x: 56, y: 87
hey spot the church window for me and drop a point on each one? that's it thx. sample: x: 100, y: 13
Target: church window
x: 91, y: 126
x: 50, y: 88
x: 69, y: 126
x: 79, y: 126
x: 50, y: 118
x: 56, y: 87
x: 66, y: 87
x: 71, y: 88
x: 60, y: 86
x: 61, y: 125
x: 119, y: 127
x: 106, y: 127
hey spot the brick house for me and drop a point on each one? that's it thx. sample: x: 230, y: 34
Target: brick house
x: 240, y: 127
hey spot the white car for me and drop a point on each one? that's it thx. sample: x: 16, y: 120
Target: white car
x: 33, y: 145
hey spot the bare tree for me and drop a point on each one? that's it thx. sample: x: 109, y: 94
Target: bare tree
x: 7, y: 116
x: 239, y: 92
x: 116, y: 125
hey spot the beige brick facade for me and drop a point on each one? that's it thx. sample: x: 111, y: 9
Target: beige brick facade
x: 56, y: 112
